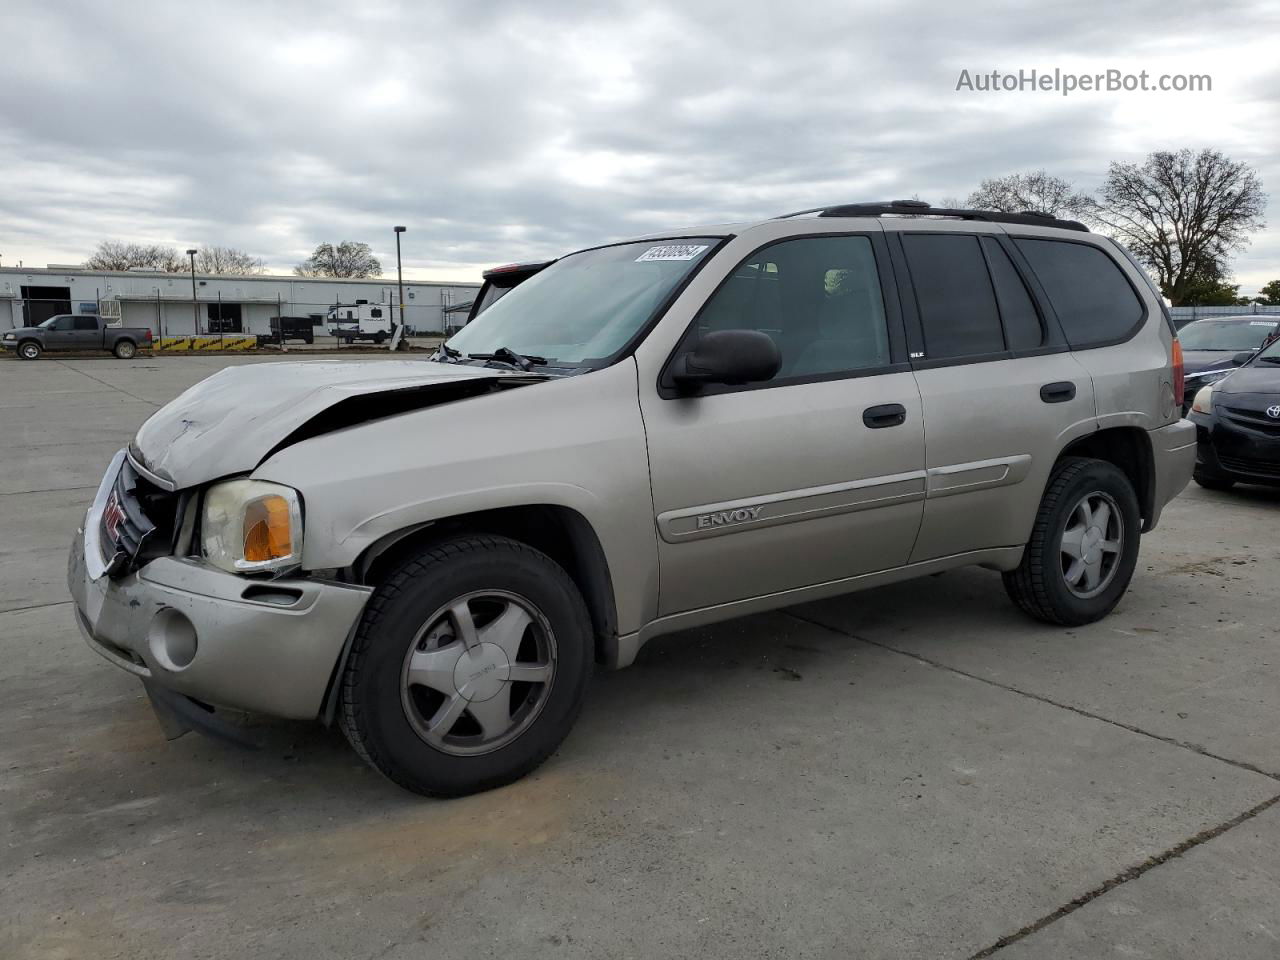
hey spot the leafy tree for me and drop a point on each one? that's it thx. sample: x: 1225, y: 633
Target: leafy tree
x: 347, y: 259
x: 228, y: 260
x: 117, y: 255
x: 1037, y: 191
x: 1182, y: 213
x: 1269, y: 295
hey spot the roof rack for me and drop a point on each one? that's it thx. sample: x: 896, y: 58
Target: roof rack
x: 918, y: 208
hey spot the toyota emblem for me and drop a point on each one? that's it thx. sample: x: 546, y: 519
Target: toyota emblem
x: 1274, y: 412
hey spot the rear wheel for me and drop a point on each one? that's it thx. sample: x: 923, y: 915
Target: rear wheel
x: 125, y: 349
x: 468, y: 668
x: 1212, y: 481
x: 1083, y: 547
x: 30, y: 350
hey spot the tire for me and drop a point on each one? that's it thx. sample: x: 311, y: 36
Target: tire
x: 380, y: 338
x: 1211, y: 481
x: 1107, y: 551
x: 413, y: 732
x: 125, y: 349
x: 30, y: 350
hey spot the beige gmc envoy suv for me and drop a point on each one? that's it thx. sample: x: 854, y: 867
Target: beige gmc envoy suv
x: 641, y: 437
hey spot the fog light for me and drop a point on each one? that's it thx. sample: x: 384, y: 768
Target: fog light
x: 172, y: 639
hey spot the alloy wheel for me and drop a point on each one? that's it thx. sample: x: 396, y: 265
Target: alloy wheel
x: 478, y: 672
x: 1092, y: 544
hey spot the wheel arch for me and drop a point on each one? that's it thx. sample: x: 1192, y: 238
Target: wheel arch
x: 561, y: 532
x: 1128, y: 449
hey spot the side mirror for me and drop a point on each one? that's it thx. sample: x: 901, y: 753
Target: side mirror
x: 728, y: 356
x: 1240, y: 359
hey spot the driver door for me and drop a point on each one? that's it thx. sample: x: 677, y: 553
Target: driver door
x: 814, y: 476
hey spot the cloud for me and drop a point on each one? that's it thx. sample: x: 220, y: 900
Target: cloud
x: 506, y: 130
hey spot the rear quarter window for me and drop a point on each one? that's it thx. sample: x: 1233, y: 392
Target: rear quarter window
x: 1094, y: 301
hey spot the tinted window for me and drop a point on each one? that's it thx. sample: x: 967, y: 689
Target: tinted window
x: 957, y: 305
x: 1022, y: 327
x: 819, y: 298
x: 86, y: 323
x: 375, y: 312
x: 1092, y: 298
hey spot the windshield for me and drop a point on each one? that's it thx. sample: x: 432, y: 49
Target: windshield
x: 1230, y: 336
x: 586, y: 306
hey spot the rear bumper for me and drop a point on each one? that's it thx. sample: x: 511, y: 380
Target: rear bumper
x: 262, y: 646
x: 1173, y: 454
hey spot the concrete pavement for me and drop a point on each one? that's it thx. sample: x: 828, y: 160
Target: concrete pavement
x: 915, y: 771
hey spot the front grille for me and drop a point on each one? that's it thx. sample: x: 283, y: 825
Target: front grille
x: 1254, y: 419
x: 138, y: 522
x: 1261, y: 468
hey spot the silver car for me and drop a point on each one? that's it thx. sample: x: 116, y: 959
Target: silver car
x: 643, y: 437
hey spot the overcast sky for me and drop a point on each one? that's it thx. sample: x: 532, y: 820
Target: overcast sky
x: 500, y: 131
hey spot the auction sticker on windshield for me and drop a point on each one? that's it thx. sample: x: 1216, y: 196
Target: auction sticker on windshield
x: 672, y: 251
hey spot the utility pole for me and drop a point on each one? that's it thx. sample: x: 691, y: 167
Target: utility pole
x: 195, y: 311
x: 400, y: 282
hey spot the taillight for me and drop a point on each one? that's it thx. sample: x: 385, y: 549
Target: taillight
x: 146, y: 335
x: 1179, y: 372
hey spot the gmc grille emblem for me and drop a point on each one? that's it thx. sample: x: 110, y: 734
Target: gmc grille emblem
x: 112, y: 517
x: 724, y: 518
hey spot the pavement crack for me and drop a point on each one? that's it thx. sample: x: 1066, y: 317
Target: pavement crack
x: 1124, y: 876
x: 36, y: 606
x: 111, y: 386
x: 1172, y: 741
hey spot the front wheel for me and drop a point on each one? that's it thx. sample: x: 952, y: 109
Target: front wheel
x: 1083, y: 547
x: 125, y: 349
x: 469, y: 667
x: 30, y: 350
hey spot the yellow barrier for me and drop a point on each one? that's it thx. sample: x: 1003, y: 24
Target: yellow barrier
x: 207, y: 343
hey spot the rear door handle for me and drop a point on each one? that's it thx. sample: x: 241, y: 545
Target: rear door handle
x: 885, y: 415
x: 1059, y: 392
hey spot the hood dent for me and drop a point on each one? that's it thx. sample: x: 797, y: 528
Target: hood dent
x: 234, y: 420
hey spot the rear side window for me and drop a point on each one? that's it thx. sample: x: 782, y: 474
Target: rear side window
x: 1022, y: 326
x: 1094, y: 302
x: 86, y: 323
x: 953, y: 291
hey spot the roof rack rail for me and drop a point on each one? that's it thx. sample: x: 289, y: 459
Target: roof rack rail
x: 918, y: 208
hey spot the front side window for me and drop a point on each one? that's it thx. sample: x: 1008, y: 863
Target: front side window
x: 953, y: 291
x: 819, y: 299
x: 585, y: 307
x: 1094, y: 302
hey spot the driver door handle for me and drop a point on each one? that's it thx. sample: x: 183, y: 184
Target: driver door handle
x: 884, y: 415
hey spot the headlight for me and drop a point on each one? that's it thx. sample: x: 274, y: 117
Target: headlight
x: 1203, y: 402
x: 252, y: 526
x: 10, y: 336
x: 1209, y: 376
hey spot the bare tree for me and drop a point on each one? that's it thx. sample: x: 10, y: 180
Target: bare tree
x: 1182, y: 213
x: 118, y: 255
x: 228, y: 260
x: 347, y: 259
x: 1038, y: 191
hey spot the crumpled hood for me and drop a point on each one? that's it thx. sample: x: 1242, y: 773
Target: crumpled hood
x: 231, y: 421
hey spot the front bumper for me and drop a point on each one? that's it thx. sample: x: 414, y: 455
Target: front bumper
x: 1231, y: 451
x: 262, y: 646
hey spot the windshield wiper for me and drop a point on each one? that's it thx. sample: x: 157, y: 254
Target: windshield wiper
x: 450, y: 354
x: 1275, y: 359
x: 508, y: 356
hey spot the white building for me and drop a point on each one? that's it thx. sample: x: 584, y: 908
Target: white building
x: 168, y: 304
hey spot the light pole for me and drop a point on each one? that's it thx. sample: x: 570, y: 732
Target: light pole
x: 195, y: 312
x: 400, y: 278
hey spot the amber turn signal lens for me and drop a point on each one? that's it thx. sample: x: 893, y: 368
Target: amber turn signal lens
x: 267, y: 534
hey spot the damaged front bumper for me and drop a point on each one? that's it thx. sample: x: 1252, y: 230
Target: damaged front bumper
x: 186, y: 628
